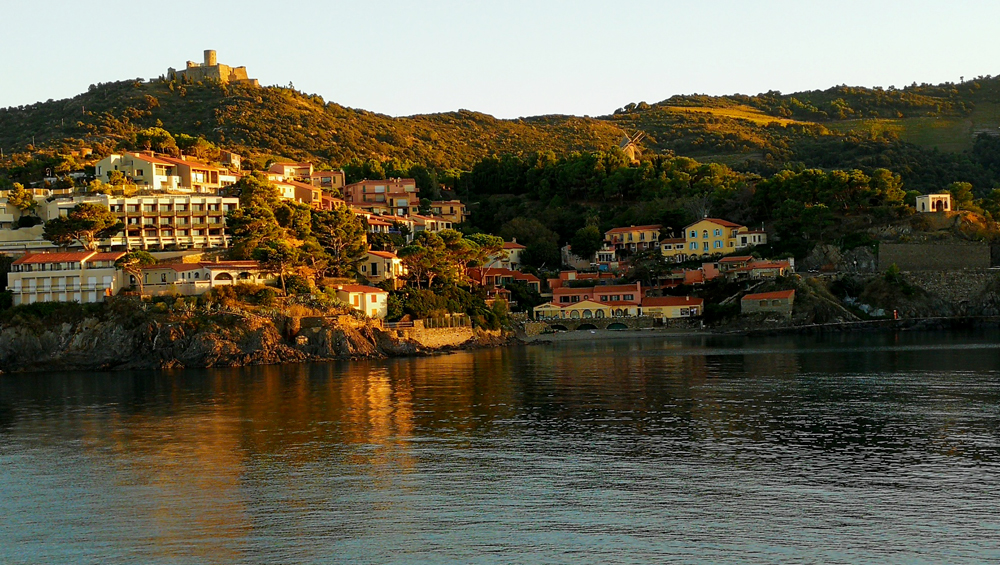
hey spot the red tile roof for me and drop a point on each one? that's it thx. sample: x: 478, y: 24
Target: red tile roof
x: 513, y: 245
x: 723, y: 223
x: 107, y: 256
x: 780, y: 294
x: 739, y: 259
x: 361, y: 288
x: 383, y: 254
x: 672, y: 301
x: 635, y: 228
x: 64, y: 257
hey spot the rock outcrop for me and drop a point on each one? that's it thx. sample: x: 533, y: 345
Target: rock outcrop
x: 214, y: 340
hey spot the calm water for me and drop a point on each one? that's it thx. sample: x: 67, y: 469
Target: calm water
x: 858, y: 449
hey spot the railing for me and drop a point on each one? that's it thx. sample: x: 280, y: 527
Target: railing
x: 397, y: 325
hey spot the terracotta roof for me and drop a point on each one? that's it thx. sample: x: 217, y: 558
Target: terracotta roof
x: 327, y: 173
x: 378, y: 222
x: 635, y: 228
x: 513, y: 245
x: 107, y: 256
x: 383, y: 254
x: 741, y: 258
x: 148, y: 159
x: 619, y: 302
x: 673, y: 240
x: 65, y: 257
x: 361, y: 288
x: 781, y: 294
x: 230, y: 264
x: 189, y: 163
x: 672, y: 301
x: 724, y: 223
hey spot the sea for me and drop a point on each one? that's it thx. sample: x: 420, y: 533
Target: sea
x: 850, y: 448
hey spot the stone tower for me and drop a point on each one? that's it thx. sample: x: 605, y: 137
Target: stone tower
x: 211, y: 59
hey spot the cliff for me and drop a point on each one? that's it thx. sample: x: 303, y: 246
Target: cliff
x: 122, y: 340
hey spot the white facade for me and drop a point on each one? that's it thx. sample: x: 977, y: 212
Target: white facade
x: 369, y: 300
x: 934, y: 203
x: 85, y: 276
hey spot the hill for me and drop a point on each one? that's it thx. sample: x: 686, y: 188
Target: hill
x: 926, y: 133
x: 284, y: 122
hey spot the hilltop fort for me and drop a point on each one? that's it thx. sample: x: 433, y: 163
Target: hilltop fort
x: 210, y: 69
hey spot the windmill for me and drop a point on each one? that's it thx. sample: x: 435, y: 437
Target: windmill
x: 630, y: 145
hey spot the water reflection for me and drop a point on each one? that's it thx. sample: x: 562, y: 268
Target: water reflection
x: 625, y: 447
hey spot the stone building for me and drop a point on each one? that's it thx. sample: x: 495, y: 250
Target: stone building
x: 210, y: 69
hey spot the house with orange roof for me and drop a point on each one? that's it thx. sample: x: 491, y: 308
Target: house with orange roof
x: 396, y: 196
x: 75, y: 276
x: 452, y: 210
x: 328, y: 181
x: 433, y: 224
x: 193, y: 279
x: 711, y: 237
x: 292, y: 171
x: 381, y: 266
x: 779, y: 302
x: 672, y: 307
x: 144, y: 169
x: 633, y: 239
x: 197, y: 176
x: 300, y: 192
x: 369, y: 300
x: 509, y: 257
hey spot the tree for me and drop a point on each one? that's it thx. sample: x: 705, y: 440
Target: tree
x: 488, y: 247
x: 156, y: 138
x: 85, y: 223
x: 961, y: 194
x: 342, y: 234
x: 254, y: 223
x: 133, y: 262
x: 587, y: 241
x: 424, y: 257
x: 278, y: 257
x: 22, y: 199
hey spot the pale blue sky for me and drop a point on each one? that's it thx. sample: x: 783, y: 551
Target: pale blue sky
x: 508, y: 58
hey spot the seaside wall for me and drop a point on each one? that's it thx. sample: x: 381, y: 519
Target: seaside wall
x: 933, y: 257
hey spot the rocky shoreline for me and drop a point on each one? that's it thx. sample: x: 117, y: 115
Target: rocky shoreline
x: 223, y: 339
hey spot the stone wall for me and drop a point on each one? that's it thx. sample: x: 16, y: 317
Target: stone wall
x: 439, y: 337
x: 933, y: 257
x: 955, y: 287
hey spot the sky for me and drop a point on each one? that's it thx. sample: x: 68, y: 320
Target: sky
x: 508, y: 58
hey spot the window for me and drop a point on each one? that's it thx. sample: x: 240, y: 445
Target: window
x: 138, y: 172
x: 717, y: 232
x: 574, y: 298
x: 704, y: 234
x: 148, y: 208
x: 763, y: 302
x: 182, y: 232
x: 775, y: 303
x: 564, y: 299
x: 166, y: 208
x: 198, y: 207
x: 182, y: 207
x: 164, y: 221
x: 163, y: 277
x: 629, y: 297
x: 694, y: 234
x: 694, y: 246
x: 132, y: 208
x: 718, y: 244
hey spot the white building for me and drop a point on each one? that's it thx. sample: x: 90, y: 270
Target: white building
x: 144, y: 169
x: 934, y: 203
x: 80, y: 276
x: 369, y: 300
